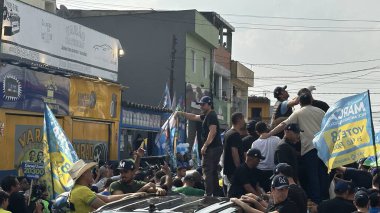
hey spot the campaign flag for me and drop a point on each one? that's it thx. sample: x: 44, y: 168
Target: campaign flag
x: 346, y: 132
x: 162, y: 138
x: 167, y: 99
x: 61, y: 152
x: 371, y: 161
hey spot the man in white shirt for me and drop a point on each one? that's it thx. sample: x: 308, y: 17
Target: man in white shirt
x: 267, y: 148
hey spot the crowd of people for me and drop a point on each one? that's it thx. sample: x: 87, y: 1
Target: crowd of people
x: 263, y: 167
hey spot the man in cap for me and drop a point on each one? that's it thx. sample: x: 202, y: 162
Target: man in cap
x: 282, y: 108
x: 249, y: 139
x: 212, y: 145
x: 127, y: 183
x: 285, y: 152
x: 341, y: 203
x: 245, y: 179
x: 361, y: 201
x: 81, y: 198
x: 316, y: 103
x: 267, y: 146
x: 296, y: 193
x: 188, y: 188
x: 233, y: 152
x: 280, y: 203
x: 309, y: 119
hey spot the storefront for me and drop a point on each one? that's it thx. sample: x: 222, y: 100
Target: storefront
x: 139, y: 125
x: 95, y: 111
x: 24, y: 93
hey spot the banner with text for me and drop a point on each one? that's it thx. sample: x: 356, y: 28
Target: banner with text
x: 39, y: 36
x: 346, y: 132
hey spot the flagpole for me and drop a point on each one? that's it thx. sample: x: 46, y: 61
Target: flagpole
x: 48, y: 148
x: 373, y: 130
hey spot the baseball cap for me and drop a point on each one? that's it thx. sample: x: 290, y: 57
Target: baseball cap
x: 361, y: 198
x: 204, y: 100
x: 251, y: 125
x: 126, y: 164
x: 277, y: 91
x: 255, y: 153
x: 342, y: 185
x: 293, y: 127
x: 284, y: 169
x: 280, y: 182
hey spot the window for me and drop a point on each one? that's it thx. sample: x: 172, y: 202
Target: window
x: 204, y: 67
x: 193, y: 57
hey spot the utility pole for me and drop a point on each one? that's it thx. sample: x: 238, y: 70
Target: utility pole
x: 172, y: 60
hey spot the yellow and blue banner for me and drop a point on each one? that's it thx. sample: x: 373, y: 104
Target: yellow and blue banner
x: 346, y: 132
x: 61, y: 152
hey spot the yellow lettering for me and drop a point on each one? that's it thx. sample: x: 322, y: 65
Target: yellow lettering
x: 38, y: 134
x: 22, y: 141
x: 30, y: 136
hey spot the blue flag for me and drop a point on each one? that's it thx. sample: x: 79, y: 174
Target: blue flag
x: 167, y: 99
x: 61, y: 152
x: 346, y: 132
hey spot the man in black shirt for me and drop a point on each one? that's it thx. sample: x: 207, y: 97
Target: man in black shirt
x: 315, y: 103
x: 285, y: 152
x: 340, y: 204
x: 233, y: 153
x: 360, y: 178
x: 280, y: 204
x: 248, y: 140
x: 245, y: 178
x: 296, y: 193
x: 212, y: 145
x: 17, y: 202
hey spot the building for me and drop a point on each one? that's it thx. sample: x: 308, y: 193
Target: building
x: 46, y: 59
x: 188, y: 48
x: 48, y: 5
x: 259, y: 109
x: 242, y: 78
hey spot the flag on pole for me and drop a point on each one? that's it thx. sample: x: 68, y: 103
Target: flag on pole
x: 195, y: 153
x: 59, y: 155
x: 167, y: 99
x: 371, y: 161
x: 346, y: 132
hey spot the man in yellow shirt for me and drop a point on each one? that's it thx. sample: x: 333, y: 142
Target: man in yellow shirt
x: 81, y: 198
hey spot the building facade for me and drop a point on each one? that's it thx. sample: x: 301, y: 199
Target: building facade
x: 259, y: 109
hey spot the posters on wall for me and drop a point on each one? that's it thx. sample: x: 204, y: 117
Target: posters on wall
x: 27, y: 90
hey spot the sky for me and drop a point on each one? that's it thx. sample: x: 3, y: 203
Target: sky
x: 332, y: 45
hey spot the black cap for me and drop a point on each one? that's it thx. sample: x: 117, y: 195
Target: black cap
x: 284, y: 169
x: 280, y: 182
x: 277, y: 91
x: 293, y: 127
x: 251, y: 125
x: 204, y: 100
x: 126, y: 164
x: 361, y: 198
x: 189, y: 177
x: 342, y: 185
x: 255, y: 153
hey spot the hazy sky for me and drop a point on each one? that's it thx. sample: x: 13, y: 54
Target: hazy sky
x: 270, y: 33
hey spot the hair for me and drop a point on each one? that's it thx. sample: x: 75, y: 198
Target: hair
x: 177, y: 182
x: 20, y: 178
x: 236, y: 117
x: 305, y: 99
x: 38, y: 190
x: 303, y: 90
x: 159, y: 174
x: 3, y: 197
x: 8, y: 182
x: 261, y: 127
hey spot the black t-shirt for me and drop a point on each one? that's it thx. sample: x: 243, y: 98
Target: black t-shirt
x: 232, y: 139
x: 285, y: 153
x: 359, y: 177
x: 336, y: 205
x: 321, y: 105
x: 243, y: 175
x: 298, y: 196
x: 17, y: 203
x: 247, y: 142
x: 211, y: 119
x: 286, y: 206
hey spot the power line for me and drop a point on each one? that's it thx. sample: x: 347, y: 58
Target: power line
x: 302, y: 18
x: 317, y: 64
